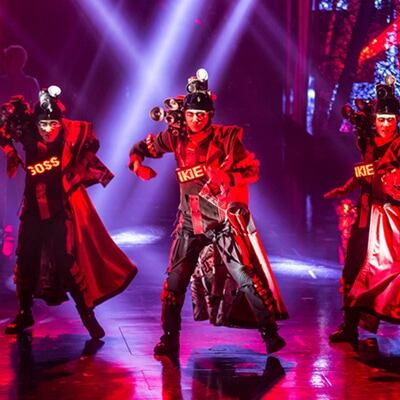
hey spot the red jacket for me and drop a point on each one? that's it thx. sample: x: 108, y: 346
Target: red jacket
x: 221, y: 149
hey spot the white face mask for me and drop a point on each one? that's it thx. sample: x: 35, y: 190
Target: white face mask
x: 49, y: 129
x: 196, y: 120
x: 386, y: 125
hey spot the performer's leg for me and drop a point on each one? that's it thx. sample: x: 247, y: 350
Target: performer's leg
x: 52, y: 286
x: 64, y: 262
x: 243, y: 275
x: 24, y: 318
x: 86, y: 313
x: 348, y: 330
x: 28, y: 260
x: 355, y: 256
x: 184, y: 254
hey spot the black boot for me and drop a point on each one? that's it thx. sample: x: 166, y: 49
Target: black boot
x: 91, y: 324
x: 87, y: 314
x: 344, y: 334
x: 23, y: 320
x: 348, y: 331
x: 168, y: 344
x: 273, y: 342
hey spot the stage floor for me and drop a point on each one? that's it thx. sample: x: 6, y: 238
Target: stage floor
x: 55, y: 360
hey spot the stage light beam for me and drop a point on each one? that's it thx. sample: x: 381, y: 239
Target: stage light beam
x: 222, y: 50
x: 105, y: 15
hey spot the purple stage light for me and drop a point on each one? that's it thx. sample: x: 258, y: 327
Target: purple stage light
x: 106, y: 32
x: 152, y: 83
x: 217, y: 60
x: 106, y: 17
x: 153, y: 78
x: 269, y: 30
x: 229, y: 34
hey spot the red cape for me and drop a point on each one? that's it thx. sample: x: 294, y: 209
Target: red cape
x: 101, y: 269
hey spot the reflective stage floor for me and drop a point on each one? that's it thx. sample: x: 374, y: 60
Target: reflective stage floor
x: 55, y: 360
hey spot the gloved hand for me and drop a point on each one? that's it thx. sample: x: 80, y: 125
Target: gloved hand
x: 144, y: 173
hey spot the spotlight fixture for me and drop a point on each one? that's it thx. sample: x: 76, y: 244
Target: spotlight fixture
x: 171, y: 103
x: 202, y: 74
x: 54, y: 91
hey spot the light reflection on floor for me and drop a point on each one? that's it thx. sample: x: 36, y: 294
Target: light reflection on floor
x: 307, y: 268
x: 137, y: 236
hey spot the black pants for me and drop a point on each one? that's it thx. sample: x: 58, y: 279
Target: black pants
x: 43, y: 264
x: 355, y: 255
x: 183, y: 259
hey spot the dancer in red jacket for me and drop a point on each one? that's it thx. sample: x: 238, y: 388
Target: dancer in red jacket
x: 214, y: 170
x: 62, y: 244
x: 371, y: 270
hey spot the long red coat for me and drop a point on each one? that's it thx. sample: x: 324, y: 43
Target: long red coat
x: 101, y: 270
x: 376, y: 289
